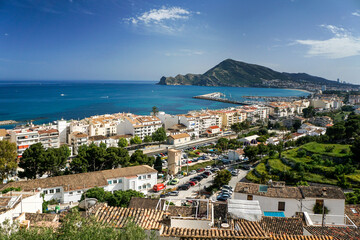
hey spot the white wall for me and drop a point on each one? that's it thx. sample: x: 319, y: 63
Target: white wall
x: 268, y: 204
x: 190, y: 223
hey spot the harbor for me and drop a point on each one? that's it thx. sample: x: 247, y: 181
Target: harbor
x: 220, y: 97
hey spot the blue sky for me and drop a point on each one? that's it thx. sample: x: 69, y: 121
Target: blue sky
x: 144, y: 39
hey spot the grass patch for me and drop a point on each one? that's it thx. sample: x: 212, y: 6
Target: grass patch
x: 313, y: 177
x: 252, y: 177
x: 198, y: 165
x: 277, y: 164
x: 261, y: 169
x: 292, y: 156
x: 320, y: 148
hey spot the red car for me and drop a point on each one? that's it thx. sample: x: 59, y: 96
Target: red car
x: 192, y: 183
x: 198, y: 153
x: 207, y: 173
x: 189, y: 161
x: 200, y: 170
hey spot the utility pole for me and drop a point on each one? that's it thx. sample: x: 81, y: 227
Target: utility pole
x: 323, y: 215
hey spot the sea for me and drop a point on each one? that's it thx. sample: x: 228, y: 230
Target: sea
x: 47, y: 101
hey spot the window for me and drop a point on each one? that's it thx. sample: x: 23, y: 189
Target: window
x: 58, y: 190
x: 51, y: 190
x: 149, y: 176
x: 139, y: 177
x: 45, y: 192
x: 250, y: 197
x: 79, y: 192
x: 71, y: 193
x: 115, y: 181
x: 149, y: 185
x: 109, y: 182
x: 144, y: 177
x: 120, y: 180
x: 281, y: 206
x: 139, y: 187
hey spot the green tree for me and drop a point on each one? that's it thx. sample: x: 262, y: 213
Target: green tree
x: 32, y: 161
x: 123, y: 143
x: 159, y: 135
x: 139, y: 158
x: 55, y: 160
x: 222, y: 143
x: 355, y: 149
x: 251, y: 152
x: 136, y: 140
x: 147, y: 139
x: 336, y: 132
x: 80, y: 164
x: 309, y: 112
x: 158, y: 164
x: 154, y: 110
x: 222, y: 177
x: 236, y: 127
x: 296, y: 124
x: 8, y: 158
x: 280, y: 148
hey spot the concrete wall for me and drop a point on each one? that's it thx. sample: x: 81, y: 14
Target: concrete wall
x: 191, y: 223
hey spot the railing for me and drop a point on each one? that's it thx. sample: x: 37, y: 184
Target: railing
x: 332, y: 220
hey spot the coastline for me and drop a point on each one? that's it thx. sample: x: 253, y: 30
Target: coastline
x: 301, y: 90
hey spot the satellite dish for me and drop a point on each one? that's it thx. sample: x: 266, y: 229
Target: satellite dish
x: 87, y: 203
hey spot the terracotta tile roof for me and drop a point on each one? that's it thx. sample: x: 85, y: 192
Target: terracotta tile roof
x: 338, y: 233
x: 179, y: 136
x: 97, y: 138
x: 353, y: 212
x: 282, y: 225
x: 119, y: 217
x: 249, y: 228
x: 214, y: 127
x: 278, y: 192
x: 41, y: 217
x: 80, y: 180
x: 143, y: 203
x: 299, y: 237
x: 187, y: 233
x: 322, y: 192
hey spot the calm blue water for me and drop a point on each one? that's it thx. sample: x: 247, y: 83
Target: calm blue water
x: 46, y: 101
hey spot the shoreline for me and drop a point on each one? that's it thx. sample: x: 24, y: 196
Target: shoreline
x: 301, y: 90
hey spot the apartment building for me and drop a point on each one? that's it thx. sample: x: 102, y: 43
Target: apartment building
x: 140, y: 126
x: 49, y: 138
x: 77, y: 139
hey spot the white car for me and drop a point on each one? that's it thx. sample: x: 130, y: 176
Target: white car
x: 192, y: 172
x: 207, y: 168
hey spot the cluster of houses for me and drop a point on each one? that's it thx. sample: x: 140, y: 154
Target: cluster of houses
x: 257, y: 211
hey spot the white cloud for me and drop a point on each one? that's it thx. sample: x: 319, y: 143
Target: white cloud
x: 342, y: 44
x: 164, y: 18
x: 356, y: 13
x: 184, y: 52
x: 6, y: 34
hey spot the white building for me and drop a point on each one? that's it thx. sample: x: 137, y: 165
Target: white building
x: 140, y: 126
x: 178, y: 139
x: 49, y: 138
x: 167, y: 119
x: 77, y: 139
x: 235, y: 155
x: 24, y: 138
x: 13, y: 204
x: 250, y: 140
x: 69, y: 188
x: 276, y: 197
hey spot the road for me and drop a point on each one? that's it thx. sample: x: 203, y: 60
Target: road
x: 206, y: 182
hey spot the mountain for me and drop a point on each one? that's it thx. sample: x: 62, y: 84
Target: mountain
x: 233, y: 73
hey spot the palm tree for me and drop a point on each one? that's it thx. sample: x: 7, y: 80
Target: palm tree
x: 155, y: 110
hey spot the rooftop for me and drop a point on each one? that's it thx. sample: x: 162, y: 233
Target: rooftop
x: 282, y: 225
x: 81, y: 180
x: 338, y: 233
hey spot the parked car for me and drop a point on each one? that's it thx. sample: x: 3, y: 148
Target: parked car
x: 227, y: 187
x: 179, y: 176
x: 204, y: 175
x: 199, y: 178
x: 226, y: 191
x: 223, y: 197
x: 174, y: 181
x: 234, y: 173
x: 192, y: 183
x: 173, y: 193
x: 200, y: 170
x: 195, y: 180
x: 215, y: 169
x: 207, y: 167
x: 195, y: 160
x: 192, y: 172
x: 184, y: 187
x: 207, y: 173
x: 189, y: 161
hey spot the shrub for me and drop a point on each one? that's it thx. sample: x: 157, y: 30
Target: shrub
x: 301, y: 153
x: 318, y: 209
x: 329, y: 148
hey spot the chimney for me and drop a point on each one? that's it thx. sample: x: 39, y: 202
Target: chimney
x: 246, y: 189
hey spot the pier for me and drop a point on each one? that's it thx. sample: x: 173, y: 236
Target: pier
x: 272, y: 98
x: 219, y: 97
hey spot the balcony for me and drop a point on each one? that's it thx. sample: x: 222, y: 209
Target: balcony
x: 329, y: 220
